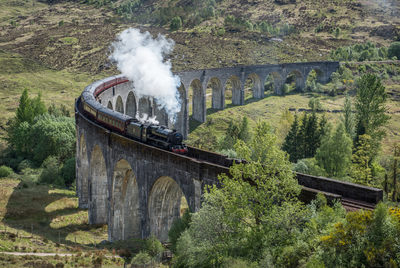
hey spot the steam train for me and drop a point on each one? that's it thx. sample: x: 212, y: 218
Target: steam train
x: 156, y: 135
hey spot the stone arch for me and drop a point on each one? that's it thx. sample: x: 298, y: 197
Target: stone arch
x: 130, y: 108
x: 295, y: 80
x: 125, y: 218
x: 119, y: 105
x: 83, y: 174
x: 217, y: 94
x: 109, y: 105
x: 161, y: 115
x: 197, y: 105
x: 164, y: 206
x: 313, y: 77
x: 277, y: 82
x: 257, y: 88
x: 145, y: 107
x: 98, y: 188
x: 234, y: 84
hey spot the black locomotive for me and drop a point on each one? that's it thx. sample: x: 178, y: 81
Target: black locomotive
x: 156, y: 135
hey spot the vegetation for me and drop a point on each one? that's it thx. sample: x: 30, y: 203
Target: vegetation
x: 239, y: 224
x: 304, y: 137
x: 42, y: 139
x: 360, y: 52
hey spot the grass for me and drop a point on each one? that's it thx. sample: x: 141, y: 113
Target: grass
x: 18, y: 73
x: 52, y: 217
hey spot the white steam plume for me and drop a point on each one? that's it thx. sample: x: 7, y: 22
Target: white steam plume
x: 145, y: 118
x: 140, y: 58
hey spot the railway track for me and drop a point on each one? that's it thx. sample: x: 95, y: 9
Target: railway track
x: 353, y: 205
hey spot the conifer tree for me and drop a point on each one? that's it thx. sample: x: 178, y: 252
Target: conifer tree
x: 291, y: 144
x: 24, y: 110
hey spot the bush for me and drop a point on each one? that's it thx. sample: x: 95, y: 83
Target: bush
x: 176, y: 23
x: 68, y: 171
x: 142, y: 258
x: 394, y: 50
x: 50, y: 173
x: 5, y: 171
x: 24, y: 164
x: 154, y: 247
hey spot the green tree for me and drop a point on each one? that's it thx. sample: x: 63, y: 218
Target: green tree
x: 51, y: 135
x: 24, y: 111
x: 291, y: 144
x: 361, y: 168
x: 334, y: 155
x: 18, y: 132
x: 235, y: 132
x: 255, y: 206
x: 348, y: 119
x: 370, y: 109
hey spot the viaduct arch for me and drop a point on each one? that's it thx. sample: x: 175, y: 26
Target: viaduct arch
x: 137, y: 189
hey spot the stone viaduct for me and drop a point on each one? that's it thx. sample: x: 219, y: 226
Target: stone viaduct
x: 122, y: 98
x: 138, y: 190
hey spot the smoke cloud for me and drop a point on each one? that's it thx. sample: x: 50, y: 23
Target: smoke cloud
x: 140, y: 58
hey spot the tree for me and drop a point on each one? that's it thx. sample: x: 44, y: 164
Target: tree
x: 18, y: 131
x: 334, y: 155
x: 255, y: 207
x: 361, y: 169
x: 292, y: 142
x: 51, y: 135
x: 348, y: 119
x: 370, y: 109
x: 234, y: 132
x: 24, y: 111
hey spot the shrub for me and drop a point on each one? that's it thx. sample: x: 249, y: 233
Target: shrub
x: 50, y: 173
x: 5, y: 171
x: 394, y: 50
x: 221, y: 31
x: 176, y: 23
x: 154, y: 247
x: 25, y: 164
x: 68, y: 171
x: 142, y: 258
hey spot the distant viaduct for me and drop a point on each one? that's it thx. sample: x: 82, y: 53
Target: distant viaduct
x: 138, y: 189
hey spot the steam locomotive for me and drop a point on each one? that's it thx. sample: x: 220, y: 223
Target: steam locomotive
x: 156, y: 135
